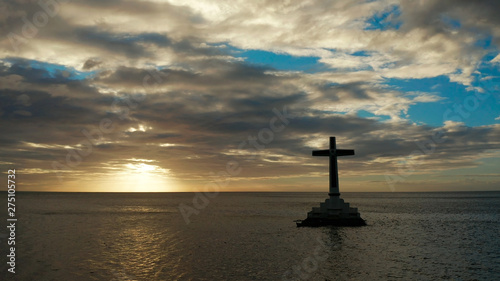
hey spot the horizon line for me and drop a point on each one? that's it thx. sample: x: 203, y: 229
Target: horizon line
x: 436, y: 191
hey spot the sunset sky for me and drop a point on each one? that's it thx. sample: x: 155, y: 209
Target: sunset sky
x: 192, y: 95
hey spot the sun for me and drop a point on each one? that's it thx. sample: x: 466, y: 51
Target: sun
x: 142, y: 175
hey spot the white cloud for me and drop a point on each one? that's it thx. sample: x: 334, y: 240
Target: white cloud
x: 306, y: 28
x: 496, y: 59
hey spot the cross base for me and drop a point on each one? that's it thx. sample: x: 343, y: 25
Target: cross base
x: 334, y: 211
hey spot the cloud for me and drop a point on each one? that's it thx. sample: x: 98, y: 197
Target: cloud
x: 175, y: 32
x: 210, y: 123
x: 169, y: 78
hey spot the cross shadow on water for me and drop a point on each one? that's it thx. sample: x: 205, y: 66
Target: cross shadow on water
x: 336, y: 263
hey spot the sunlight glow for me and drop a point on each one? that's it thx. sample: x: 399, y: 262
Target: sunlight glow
x: 141, y: 175
x: 141, y: 128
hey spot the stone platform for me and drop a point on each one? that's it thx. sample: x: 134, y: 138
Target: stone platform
x: 334, y: 211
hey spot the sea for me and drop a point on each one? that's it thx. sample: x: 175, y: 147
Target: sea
x: 250, y: 236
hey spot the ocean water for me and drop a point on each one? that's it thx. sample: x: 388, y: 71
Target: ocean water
x: 252, y: 236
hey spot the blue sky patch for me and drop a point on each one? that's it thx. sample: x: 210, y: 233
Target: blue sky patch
x: 485, y: 43
x: 361, y: 54
x: 451, y: 22
x: 284, y: 62
x: 459, y: 103
x: 56, y: 70
x: 366, y: 114
x: 384, y: 20
x: 52, y: 70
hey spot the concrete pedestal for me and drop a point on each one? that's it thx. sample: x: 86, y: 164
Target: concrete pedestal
x: 334, y: 211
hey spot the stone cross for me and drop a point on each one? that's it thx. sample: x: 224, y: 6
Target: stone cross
x: 333, y: 153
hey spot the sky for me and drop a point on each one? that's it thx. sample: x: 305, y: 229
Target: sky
x: 174, y: 96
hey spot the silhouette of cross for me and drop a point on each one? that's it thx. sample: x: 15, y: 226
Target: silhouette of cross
x: 333, y: 153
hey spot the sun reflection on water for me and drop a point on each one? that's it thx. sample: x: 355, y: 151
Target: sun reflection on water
x: 142, y: 248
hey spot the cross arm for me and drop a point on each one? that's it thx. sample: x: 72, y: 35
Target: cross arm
x: 345, y: 152
x: 321, y: 153
x: 339, y: 152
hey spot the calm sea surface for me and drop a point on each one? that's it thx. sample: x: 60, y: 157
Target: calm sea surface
x: 252, y: 236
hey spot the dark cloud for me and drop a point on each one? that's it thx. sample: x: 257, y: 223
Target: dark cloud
x: 477, y: 17
x: 346, y: 91
x: 209, y: 126
x: 91, y: 63
x: 130, y: 45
